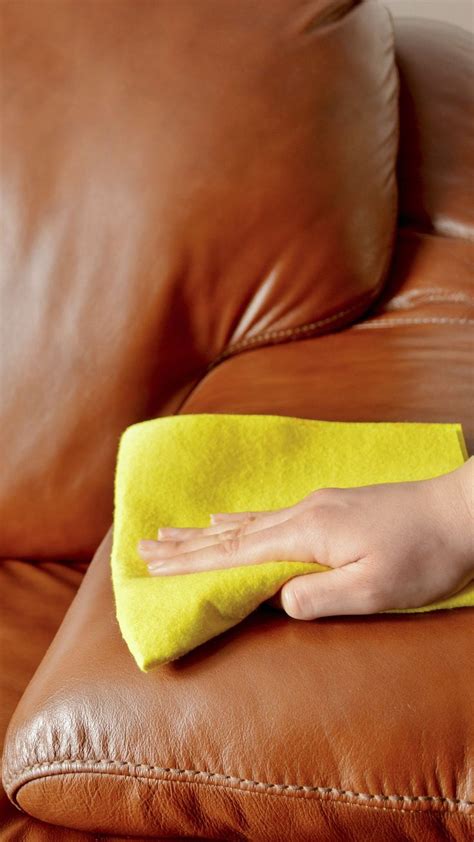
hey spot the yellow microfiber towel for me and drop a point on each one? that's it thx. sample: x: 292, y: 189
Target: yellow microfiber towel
x: 175, y: 471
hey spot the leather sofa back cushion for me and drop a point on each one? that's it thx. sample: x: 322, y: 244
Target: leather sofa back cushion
x: 436, y: 156
x: 181, y: 180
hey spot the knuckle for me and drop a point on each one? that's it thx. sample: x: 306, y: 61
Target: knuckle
x: 321, y: 497
x: 326, y: 491
x: 169, y: 546
x: 298, y: 536
x: 229, y: 543
x: 325, y: 495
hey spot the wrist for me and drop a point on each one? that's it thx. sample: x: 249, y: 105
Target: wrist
x: 453, y: 499
x: 465, y: 476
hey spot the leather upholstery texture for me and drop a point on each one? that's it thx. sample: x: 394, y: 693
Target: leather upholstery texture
x: 335, y: 729
x: 215, y: 724
x: 178, y: 183
x: 436, y: 165
x: 410, y: 359
x: 34, y: 597
x: 200, y: 214
x: 33, y: 600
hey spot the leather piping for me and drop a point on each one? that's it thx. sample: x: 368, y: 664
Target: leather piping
x: 413, y: 297
x: 433, y: 320
x: 285, y: 333
x: 368, y: 324
x: 217, y: 778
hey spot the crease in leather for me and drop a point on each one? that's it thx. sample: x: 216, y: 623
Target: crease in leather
x: 331, y: 14
x: 309, y: 329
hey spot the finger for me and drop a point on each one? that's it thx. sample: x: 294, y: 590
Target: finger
x: 283, y: 512
x: 183, y: 533
x: 275, y: 543
x: 179, y: 533
x: 157, y: 550
x: 256, y: 520
x: 235, y: 516
x: 304, y: 503
x: 196, y: 539
x: 342, y: 590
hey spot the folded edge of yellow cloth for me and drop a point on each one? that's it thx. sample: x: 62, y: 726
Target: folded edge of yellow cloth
x: 175, y: 471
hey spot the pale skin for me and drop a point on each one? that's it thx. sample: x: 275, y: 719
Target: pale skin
x: 394, y: 545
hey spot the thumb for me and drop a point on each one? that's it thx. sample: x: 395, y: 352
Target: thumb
x: 342, y: 590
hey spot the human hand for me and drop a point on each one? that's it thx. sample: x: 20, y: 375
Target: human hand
x: 393, y: 545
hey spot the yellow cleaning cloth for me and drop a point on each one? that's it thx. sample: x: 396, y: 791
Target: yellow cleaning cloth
x: 175, y: 471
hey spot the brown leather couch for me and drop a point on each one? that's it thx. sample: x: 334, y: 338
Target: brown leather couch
x: 249, y: 206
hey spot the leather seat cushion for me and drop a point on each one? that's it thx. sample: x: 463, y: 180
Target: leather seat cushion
x: 410, y: 359
x: 310, y: 730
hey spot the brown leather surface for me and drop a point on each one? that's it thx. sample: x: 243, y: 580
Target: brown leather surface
x: 352, y: 378
x: 415, y: 346
x: 16, y: 827
x: 436, y: 157
x: 159, y: 220
x: 336, y: 729
x: 33, y: 600
x: 411, y: 359
x: 167, y: 174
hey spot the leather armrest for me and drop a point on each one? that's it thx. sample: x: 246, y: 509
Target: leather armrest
x: 339, y: 728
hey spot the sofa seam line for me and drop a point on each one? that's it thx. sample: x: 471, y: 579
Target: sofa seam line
x: 419, y: 295
x: 428, y: 320
x: 309, y: 326
x: 342, y: 802
x: 367, y: 324
x: 235, y: 778
x: 290, y: 331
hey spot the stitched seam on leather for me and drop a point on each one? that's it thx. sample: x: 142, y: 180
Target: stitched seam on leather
x: 447, y: 814
x: 428, y: 294
x: 295, y: 331
x: 413, y: 297
x: 435, y: 320
x: 219, y: 775
x: 285, y: 332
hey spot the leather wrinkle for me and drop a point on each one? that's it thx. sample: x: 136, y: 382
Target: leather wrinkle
x: 331, y: 14
x: 396, y: 303
x: 288, y: 333
x: 295, y: 331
